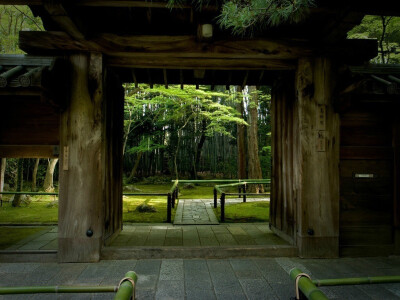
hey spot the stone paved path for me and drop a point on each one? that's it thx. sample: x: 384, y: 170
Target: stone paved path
x: 169, y: 235
x: 206, y: 279
x: 195, y: 211
x: 197, y: 235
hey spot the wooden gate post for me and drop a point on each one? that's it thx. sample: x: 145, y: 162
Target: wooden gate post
x: 316, y: 159
x: 82, y: 166
x: 2, y: 171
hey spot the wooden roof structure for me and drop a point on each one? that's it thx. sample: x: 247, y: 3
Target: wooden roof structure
x: 148, y: 42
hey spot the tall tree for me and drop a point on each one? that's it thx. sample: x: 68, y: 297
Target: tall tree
x: 386, y: 30
x: 13, y: 19
x: 254, y: 167
x: 34, y: 174
x: 19, y: 183
x: 241, y: 138
x: 48, y: 180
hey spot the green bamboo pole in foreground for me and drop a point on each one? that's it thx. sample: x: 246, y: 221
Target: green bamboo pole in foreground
x: 29, y: 193
x: 357, y: 280
x: 56, y: 289
x: 126, y: 290
x: 307, y: 287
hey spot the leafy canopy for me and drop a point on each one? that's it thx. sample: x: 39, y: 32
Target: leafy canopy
x: 246, y: 16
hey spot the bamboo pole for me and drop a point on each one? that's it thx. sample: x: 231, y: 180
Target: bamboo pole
x: 357, y: 281
x: 29, y: 193
x: 56, y: 289
x: 307, y: 287
x: 127, y: 289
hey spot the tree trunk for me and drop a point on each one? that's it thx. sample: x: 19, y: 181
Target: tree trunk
x: 241, y: 139
x: 252, y: 142
x: 135, y: 166
x: 48, y: 180
x: 19, y: 182
x: 34, y: 174
x: 3, y: 162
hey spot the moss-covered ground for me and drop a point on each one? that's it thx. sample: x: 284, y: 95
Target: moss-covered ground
x: 245, y: 212
x: 41, y: 210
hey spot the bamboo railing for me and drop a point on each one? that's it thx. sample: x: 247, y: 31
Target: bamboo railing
x: 124, y: 291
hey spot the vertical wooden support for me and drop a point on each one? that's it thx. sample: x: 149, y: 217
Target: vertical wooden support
x: 284, y: 135
x: 244, y: 193
x: 82, y: 166
x: 215, y: 198
x: 316, y: 159
x: 2, y: 172
x: 173, y: 199
x: 169, y: 208
x: 113, y: 134
x: 223, y: 207
x: 396, y: 173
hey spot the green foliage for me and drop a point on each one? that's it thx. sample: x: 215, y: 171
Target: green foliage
x: 386, y: 30
x: 13, y: 19
x: 245, y: 16
x: 245, y: 212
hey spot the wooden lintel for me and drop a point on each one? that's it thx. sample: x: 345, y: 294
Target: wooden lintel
x: 169, y: 48
x: 29, y: 151
x: 148, y: 62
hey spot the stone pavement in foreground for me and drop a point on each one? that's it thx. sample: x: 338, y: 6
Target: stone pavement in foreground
x: 257, y: 278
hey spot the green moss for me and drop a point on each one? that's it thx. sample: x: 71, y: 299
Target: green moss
x: 10, y: 236
x: 36, y: 212
x: 245, y: 212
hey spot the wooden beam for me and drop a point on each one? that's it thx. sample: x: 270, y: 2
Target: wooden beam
x: 173, y: 51
x: 59, y: 15
x: 29, y: 151
x: 181, y: 78
x: 144, y: 62
x: 165, y: 78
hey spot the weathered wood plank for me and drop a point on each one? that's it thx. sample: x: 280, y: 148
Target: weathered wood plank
x: 359, y: 152
x: 82, y: 163
x: 152, y: 51
x: 28, y: 121
x: 29, y: 151
x: 112, y: 132
x: 318, y: 197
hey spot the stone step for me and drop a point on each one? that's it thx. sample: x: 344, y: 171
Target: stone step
x: 116, y: 253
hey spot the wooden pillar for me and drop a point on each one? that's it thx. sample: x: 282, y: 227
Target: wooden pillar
x: 2, y: 171
x: 82, y: 164
x: 396, y: 183
x: 283, y: 133
x: 316, y: 161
